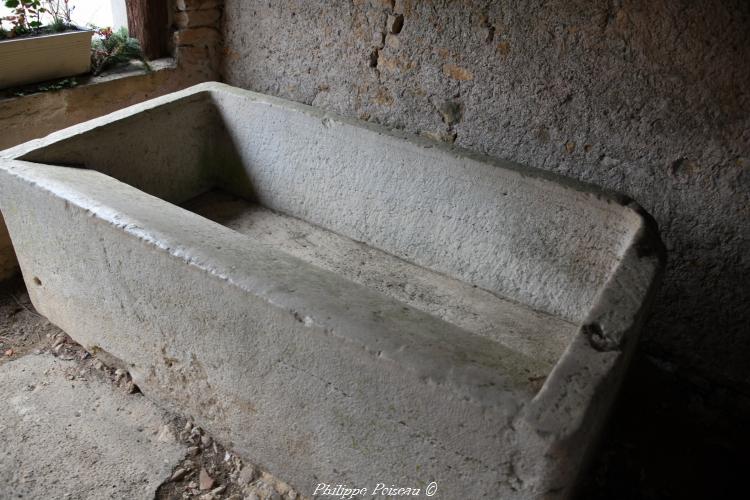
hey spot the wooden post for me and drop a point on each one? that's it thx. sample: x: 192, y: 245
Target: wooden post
x: 147, y: 22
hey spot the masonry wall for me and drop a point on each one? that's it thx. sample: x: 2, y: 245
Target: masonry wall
x: 648, y: 97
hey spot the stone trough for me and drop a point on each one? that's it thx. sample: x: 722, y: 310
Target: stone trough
x: 339, y: 302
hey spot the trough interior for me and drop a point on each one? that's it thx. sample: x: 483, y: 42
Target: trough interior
x: 499, y: 253
x: 535, y: 334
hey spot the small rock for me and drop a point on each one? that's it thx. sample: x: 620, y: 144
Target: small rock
x: 178, y: 474
x: 291, y: 495
x: 205, y: 482
x: 206, y: 441
x: 193, y: 450
x: 119, y: 373
x: 247, y: 474
x: 98, y: 365
x: 267, y: 478
x: 263, y: 487
x: 219, y: 490
x: 282, y: 487
x: 188, y: 426
x: 166, y: 435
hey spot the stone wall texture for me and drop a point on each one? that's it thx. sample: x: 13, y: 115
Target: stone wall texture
x: 647, y: 97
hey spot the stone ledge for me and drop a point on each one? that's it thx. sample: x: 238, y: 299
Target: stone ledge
x: 134, y: 69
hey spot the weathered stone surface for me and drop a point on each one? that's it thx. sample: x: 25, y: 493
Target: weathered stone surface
x: 394, y: 23
x: 198, y: 4
x: 196, y: 18
x: 653, y: 94
x: 206, y: 36
x: 311, y: 368
x: 63, y: 437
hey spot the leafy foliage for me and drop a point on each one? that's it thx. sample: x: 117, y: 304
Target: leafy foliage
x: 27, y: 16
x: 110, y: 48
x: 65, y: 83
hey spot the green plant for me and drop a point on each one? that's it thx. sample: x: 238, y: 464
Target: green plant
x: 61, y: 12
x: 27, y: 16
x: 109, y: 48
x: 60, y: 9
x: 65, y: 83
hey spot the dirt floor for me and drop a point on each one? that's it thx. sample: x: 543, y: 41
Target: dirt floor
x: 22, y: 329
x: 670, y: 436
x: 208, y: 471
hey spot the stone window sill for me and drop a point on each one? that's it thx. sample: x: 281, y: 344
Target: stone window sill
x: 132, y: 70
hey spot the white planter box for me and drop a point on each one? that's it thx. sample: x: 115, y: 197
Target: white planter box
x: 40, y: 58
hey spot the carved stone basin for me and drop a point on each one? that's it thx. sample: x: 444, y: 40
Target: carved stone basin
x: 339, y: 302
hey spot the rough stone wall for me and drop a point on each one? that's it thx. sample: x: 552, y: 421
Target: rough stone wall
x: 197, y: 38
x: 196, y: 44
x: 648, y: 97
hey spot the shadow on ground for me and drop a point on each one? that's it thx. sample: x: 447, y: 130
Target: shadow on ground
x: 671, y: 437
